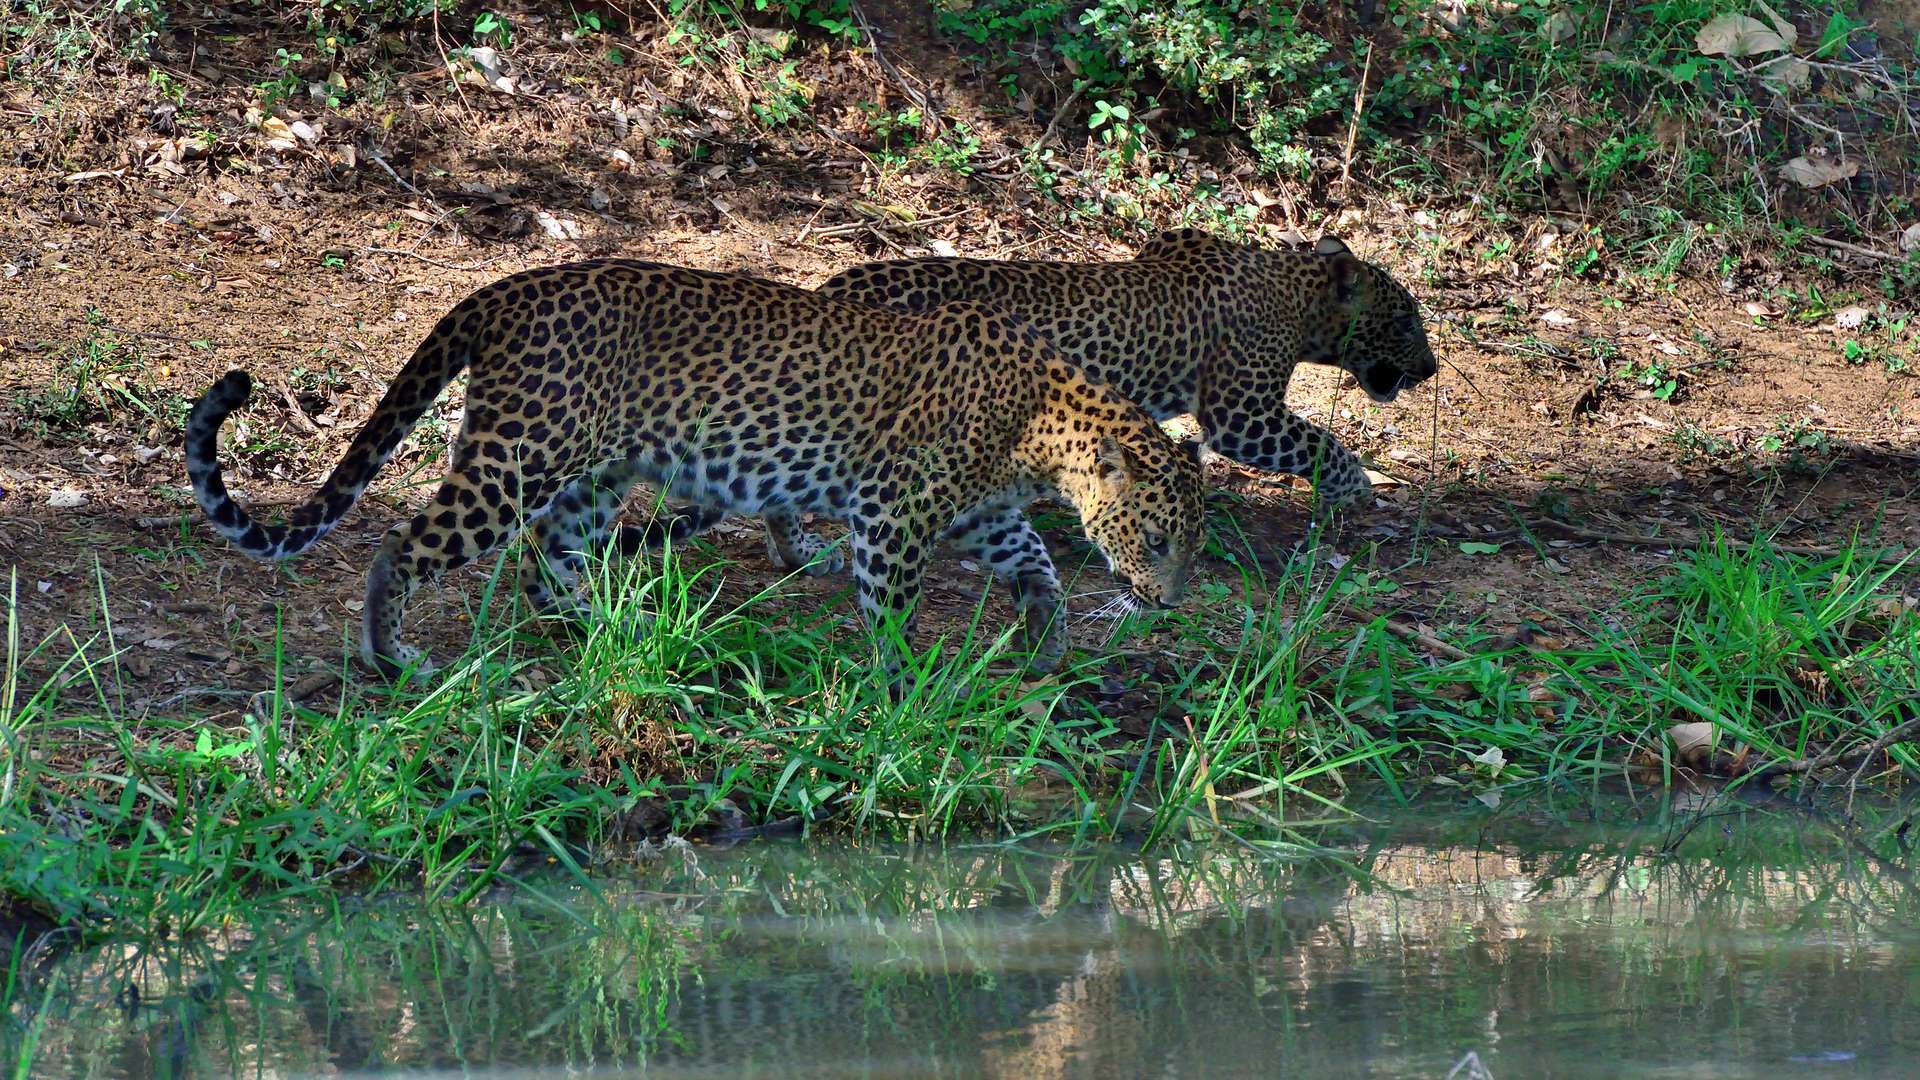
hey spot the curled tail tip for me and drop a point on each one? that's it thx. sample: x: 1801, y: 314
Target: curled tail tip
x: 232, y: 390
x: 228, y: 393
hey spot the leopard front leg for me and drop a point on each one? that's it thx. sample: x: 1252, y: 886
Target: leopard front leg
x: 669, y: 526
x: 792, y: 545
x: 1263, y: 433
x: 1010, y: 547
x: 890, y: 550
x: 579, y: 523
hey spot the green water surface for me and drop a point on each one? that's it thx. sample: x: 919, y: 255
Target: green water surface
x: 1552, y: 938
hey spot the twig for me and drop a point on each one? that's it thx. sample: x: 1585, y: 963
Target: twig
x: 1636, y: 540
x: 155, y: 334
x: 882, y: 223
x: 431, y: 261
x: 380, y: 160
x: 1353, y: 129
x: 1403, y: 629
x: 446, y: 66
x: 887, y: 240
x: 1836, y: 756
x: 1059, y: 113
x: 929, y: 117
x: 1854, y: 249
x: 299, y: 415
x: 1400, y: 628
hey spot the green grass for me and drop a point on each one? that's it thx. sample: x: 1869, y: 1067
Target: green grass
x: 532, y: 747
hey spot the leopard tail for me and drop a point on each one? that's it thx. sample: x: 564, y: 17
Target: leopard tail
x: 443, y: 355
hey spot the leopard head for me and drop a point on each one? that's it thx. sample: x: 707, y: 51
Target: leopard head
x: 1376, y: 332
x: 1148, y: 512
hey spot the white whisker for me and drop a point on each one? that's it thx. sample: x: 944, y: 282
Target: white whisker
x: 1115, y: 609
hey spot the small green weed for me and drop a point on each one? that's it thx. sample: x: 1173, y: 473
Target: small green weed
x: 105, y: 379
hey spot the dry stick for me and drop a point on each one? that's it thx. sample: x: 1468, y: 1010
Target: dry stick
x: 482, y: 265
x: 1053, y: 128
x: 380, y: 160
x: 1854, y: 249
x: 154, y: 334
x: 1403, y: 629
x: 1353, y: 129
x: 446, y: 64
x: 1837, y: 757
x: 882, y: 223
x: 1636, y: 540
x: 928, y: 116
x: 1059, y: 112
x: 1400, y: 628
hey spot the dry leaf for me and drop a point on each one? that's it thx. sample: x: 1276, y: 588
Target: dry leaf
x: 943, y: 249
x: 67, y: 499
x: 1818, y: 170
x: 556, y: 227
x: 1492, y: 757
x: 1851, y: 318
x: 1910, y: 240
x: 1557, y: 317
x: 1692, y: 743
x: 279, y: 134
x: 1759, y: 310
x: 1380, y: 479
x: 1787, y: 73
x: 1739, y: 35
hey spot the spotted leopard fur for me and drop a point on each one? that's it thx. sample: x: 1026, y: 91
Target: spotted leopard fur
x: 1192, y: 324
x: 747, y: 396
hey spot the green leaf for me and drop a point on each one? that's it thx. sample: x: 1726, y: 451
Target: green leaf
x: 203, y: 744
x: 1840, y: 26
x: 1475, y: 547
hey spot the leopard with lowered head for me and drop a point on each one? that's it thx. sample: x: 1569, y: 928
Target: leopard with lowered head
x: 747, y: 396
x: 1191, y: 324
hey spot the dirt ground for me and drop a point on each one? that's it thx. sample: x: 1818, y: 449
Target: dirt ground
x: 316, y: 255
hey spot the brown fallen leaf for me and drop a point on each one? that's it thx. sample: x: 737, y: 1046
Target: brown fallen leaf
x: 1692, y: 743
x: 1741, y: 35
x: 1818, y: 170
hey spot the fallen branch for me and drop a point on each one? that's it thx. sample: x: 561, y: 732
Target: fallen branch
x: 879, y: 221
x: 431, y: 261
x: 1854, y: 249
x: 124, y: 332
x: 1353, y: 131
x: 1403, y: 629
x: 1837, y: 757
x: 929, y: 116
x: 1888, y: 556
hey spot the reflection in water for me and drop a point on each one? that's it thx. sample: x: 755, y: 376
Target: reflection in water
x: 1747, y: 943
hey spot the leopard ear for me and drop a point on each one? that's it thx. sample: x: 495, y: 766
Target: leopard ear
x: 1117, y: 463
x: 1343, y: 269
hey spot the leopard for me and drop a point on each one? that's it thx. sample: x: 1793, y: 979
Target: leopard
x: 1194, y: 324
x: 737, y: 394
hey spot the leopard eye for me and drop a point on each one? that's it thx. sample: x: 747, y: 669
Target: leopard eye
x: 1156, y: 545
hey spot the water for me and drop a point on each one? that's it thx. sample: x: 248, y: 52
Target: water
x: 1546, y: 941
